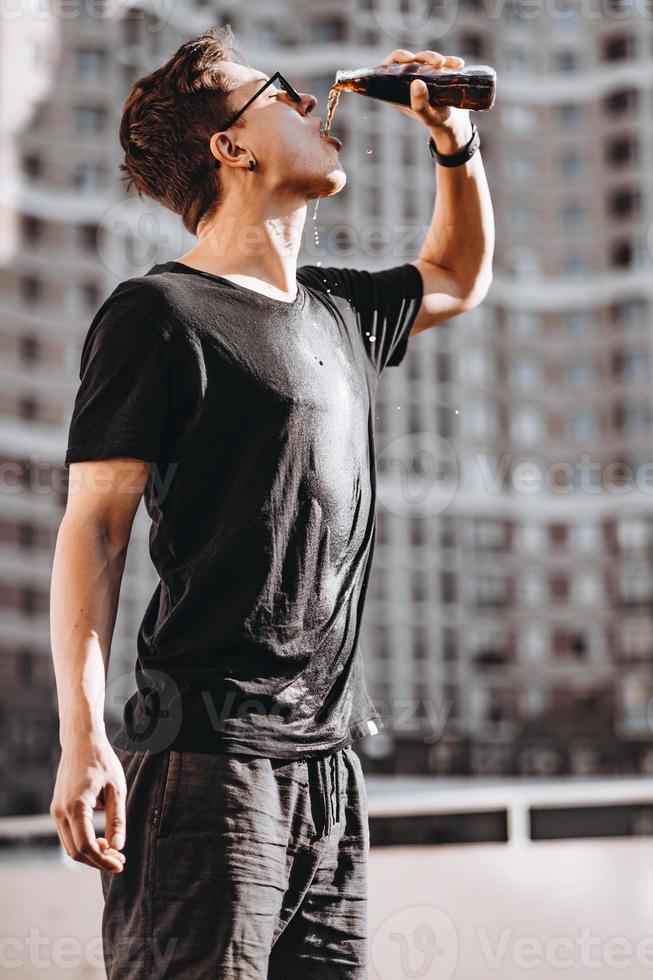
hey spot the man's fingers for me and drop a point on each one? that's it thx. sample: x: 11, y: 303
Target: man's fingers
x: 398, y: 56
x: 86, y: 848
x: 115, y: 823
x: 401, y: 56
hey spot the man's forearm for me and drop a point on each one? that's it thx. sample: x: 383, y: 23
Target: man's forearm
x: 84, y: 593
x: 461, y: 236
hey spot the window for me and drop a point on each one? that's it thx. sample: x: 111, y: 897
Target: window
x: 471, y: 46
x: 634, y: 532
x: 637, y: 638
x: 571, y: 164
x: 521, y: 215
x: 448, y: 587
x: 526, y: 373
x: 559, y: 586
x: 570, y: 643
x: 325, y: 29
x: 618, y: 48
x: 89, y: 120
x: 630, y: 313
x: 531, y: 586
x: 489, y: 535
x: 535, y: 642
x: 32, y: 166
x: 520, y: 164
x: 635, y: 583
x: 28, y: 348
x: 584, y: 537
x: 624, y: 203
x: 519, y: 118
x: 491, y: 590
x: 580, y: 371
x: 90, y: 63
x: 31, y: 229
x: 631, y: 365
x: 624, y: 149
x: 621, y: 101
x: 576, y: 265
x: 86, y: 294
x: 517, y: 61
x: 483, y: 420
x: 86, y: 236
x: 634, y: 417
x: 28, y: 407
x: 31, y: 289
x: 566, y: 60
x: 269, y: 33
x: 523, y: 323
x: 524, y: 263
x: 88, y: 176
x: 568, y: 113
x: 581, y: 423
x: 527, y: 425
x: 132, y: 22
x: 530, y: 537
x: 577, y: 322
x: 480, y: 365
x: 573, y: 216
x: 621, y: 254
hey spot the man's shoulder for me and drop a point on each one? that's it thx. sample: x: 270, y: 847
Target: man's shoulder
x: 157, y: 295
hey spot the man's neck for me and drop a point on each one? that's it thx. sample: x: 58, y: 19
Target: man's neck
x: 256, y: 245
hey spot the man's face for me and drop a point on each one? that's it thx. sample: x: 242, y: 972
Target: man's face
x: 283, y: 136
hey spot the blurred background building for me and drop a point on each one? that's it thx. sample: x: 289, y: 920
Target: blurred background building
x: 509, y: 625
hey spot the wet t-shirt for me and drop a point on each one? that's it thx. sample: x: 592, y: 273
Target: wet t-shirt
x: 256, y: 417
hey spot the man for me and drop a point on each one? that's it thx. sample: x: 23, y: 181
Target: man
x: 237, y: 394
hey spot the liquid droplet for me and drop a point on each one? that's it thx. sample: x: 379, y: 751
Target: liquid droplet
x: 369, y: 152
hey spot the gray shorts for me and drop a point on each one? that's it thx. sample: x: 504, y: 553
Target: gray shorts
x: 240, y: 868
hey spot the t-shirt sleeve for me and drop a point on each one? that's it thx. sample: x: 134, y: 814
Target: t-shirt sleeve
x: 123, y: 402
x: 385, y: 302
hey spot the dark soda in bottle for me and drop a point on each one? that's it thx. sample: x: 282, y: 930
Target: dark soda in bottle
x: 472, y: 87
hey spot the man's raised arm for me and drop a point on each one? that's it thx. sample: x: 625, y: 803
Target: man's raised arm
x: 455, y: 260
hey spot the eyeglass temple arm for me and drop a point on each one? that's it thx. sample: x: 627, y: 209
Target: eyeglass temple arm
x: 295, y: 96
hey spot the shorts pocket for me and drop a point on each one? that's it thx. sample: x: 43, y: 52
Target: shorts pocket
x: 164, y: 817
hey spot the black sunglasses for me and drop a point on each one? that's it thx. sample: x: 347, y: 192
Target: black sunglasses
x: 286, y: 86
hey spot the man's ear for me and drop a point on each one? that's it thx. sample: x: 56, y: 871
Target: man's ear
x: 226, y: 152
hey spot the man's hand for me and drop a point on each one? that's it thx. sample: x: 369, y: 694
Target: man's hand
x: 90, y: 776
x: 449, y: 126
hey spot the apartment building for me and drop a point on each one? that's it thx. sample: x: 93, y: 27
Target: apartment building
x: 507, y: 629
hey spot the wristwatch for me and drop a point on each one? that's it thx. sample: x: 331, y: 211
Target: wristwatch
x: 460, y: 156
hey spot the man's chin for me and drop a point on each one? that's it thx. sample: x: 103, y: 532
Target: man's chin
x: 331, y: 184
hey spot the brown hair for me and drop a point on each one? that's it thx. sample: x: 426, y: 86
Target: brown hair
x: 168, y: 119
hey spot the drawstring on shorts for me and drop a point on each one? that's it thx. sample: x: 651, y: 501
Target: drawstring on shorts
x: 328, y: 774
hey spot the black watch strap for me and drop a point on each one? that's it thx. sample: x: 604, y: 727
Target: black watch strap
x: 460, y: 156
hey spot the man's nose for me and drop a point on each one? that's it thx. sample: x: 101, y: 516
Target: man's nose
x: 307, y: 104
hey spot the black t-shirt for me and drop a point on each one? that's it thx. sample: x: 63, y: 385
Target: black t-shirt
x: 256, y: 417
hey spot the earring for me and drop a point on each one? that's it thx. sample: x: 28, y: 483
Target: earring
x: 251, y: 165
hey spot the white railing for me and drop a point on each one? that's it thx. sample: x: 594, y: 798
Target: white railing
x: 422, y: 796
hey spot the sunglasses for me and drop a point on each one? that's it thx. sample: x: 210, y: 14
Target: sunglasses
x: 285, y: 85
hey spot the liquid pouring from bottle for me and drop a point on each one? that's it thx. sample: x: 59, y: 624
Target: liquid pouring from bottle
x: 472, y: 87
